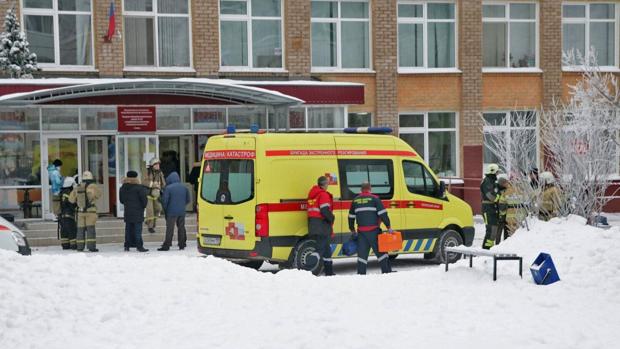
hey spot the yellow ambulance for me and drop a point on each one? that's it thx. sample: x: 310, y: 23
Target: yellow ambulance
x: 253, y: 190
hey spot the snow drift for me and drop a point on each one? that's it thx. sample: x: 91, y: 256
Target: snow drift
x: 161, y: 301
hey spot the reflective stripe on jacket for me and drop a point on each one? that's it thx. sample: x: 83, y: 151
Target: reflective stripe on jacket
x: 320, y: 204
x: 368, y: 210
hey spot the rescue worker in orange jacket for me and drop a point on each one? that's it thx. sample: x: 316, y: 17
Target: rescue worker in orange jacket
x: 369, y: 212
x: 320, y: 225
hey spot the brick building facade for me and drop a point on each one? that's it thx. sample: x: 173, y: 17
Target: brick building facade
x: 395, y: 94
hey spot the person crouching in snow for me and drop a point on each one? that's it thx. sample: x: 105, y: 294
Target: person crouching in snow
x: 66, y: 221
x: 176, y: 197
x: 133, y: 196
x: 320, y: 225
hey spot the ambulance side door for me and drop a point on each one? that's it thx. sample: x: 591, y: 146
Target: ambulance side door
x: 380, y: 174
x: 423, y: 208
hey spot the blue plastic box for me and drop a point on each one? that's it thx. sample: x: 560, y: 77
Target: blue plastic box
x: 543, y: 270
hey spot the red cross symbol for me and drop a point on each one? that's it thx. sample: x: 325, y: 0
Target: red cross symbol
x: 232, y: 231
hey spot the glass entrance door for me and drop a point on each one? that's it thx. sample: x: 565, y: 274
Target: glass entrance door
x: 67, y: 150
x: 133, y: 154
x: 95, y: 154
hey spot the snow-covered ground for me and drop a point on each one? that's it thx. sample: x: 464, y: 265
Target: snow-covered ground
x: 177, y: 299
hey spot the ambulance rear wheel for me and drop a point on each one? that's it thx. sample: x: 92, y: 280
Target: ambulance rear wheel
x: 305, y: 257
x: 449, y: 238
x: 251, y: 264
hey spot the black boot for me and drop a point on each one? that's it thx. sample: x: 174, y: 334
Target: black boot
x: 163, y: 248
x: 142, y: 249
x: 152, y: 230
x: 126, y: 249
x: 329, y: 270
x: 93, y: 250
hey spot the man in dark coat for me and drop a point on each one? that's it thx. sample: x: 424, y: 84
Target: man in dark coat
x: 176, y: 197
x: 320, y: 224
x: 133, y: 196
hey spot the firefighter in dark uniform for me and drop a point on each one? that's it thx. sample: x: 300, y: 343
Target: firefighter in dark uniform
x: 320, y: 224
x: 490, y: 213
x: 66, y: 221
x: 367, y: 209
x: 85, y: 195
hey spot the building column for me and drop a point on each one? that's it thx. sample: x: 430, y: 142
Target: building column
x: 551, y: 50
x: 385, y: 41
x: 206, y: 37
x: 470, y: 57
x: 297, y: 38
x: 109, y: 56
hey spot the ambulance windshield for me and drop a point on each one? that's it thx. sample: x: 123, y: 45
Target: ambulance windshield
x: 228, y: 182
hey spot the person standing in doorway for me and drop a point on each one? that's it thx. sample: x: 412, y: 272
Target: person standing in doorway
x: 85, y: 195
x: 68, y: 227
x: 56, y: 182
x: 155, y: 182
x: 176, y: 196
x: 133, y: 196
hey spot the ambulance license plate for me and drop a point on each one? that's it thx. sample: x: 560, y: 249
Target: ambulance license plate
x: 212, y: 240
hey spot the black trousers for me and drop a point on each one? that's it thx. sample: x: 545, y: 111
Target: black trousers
x: 365, y: 242
x: 324, y: 251
x: 133, y: 234
x: 68, y: 231
x: 491, y: 221
x: 180, y: 223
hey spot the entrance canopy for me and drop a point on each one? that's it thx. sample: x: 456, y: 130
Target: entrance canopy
x: 208, y: 89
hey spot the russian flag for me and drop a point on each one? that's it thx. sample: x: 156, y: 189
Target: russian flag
x: 111, y: 23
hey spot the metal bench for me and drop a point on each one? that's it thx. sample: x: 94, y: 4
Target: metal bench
x: 497, y: 256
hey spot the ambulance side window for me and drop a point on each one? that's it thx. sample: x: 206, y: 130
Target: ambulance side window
x: 380, y: 174
x: 418, y: 179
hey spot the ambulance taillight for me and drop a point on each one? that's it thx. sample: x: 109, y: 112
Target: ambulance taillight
x: 262, y: 220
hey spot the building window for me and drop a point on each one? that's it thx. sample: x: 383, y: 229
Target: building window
x: 360, y: 120
x: 426, y: 35
x: 340, y: 34
x: 501, y: 132
x: 157, y: 33
x: 433, y: 136
x: 509, y: 34
x: 591, y: 26
x: 317, y: 118
x: 59, y: 31
x: 251, y: 33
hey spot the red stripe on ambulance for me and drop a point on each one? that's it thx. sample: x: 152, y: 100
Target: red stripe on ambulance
x: 317, y: 152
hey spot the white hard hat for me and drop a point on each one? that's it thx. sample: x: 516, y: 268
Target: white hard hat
x: 547, y: 177
x: 492, y: 169
x: 154, y: 161
x: 68, y: 182
x: 87, y: 176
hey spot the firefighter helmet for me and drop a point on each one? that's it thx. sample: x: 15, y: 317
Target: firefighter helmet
x: 154, y: 161
x: 87, y: 176
x: 547, y: 178
x: 492, y: 169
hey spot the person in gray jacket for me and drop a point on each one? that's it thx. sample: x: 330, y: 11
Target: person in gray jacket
x: 176, y: 197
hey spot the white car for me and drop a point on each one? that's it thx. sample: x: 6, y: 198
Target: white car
x: 12, y: 239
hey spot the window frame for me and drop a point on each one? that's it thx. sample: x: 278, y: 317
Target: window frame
x: 228, y: 162
x: 424, y: 130
x: 425, y: 21
x: 506, y: 128
x: 507, y: 20
x: 587, y: 21
x: 249, y: 19
x: 425, y: 171
x: 344, y: 187
x: 338, y: 21
x: 54, y: 12
x: 155, y: 16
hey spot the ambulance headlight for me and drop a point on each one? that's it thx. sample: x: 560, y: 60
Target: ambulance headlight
x: 19, y: 238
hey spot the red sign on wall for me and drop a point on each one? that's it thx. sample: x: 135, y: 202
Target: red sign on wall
x: 136, y: 119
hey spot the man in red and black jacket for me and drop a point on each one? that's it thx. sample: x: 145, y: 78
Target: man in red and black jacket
x: 320, y: 222
x: 369, y: 212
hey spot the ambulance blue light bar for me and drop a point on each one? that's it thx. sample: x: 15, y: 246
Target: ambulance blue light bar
x: 371, y: 130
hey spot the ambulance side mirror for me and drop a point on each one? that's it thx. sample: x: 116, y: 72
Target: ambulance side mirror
x: 441, y: 193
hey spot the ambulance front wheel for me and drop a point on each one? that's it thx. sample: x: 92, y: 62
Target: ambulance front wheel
x: 448, y: 238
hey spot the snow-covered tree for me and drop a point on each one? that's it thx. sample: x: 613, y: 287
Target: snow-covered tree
x: 16, y: 59
x: 580, y: 139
